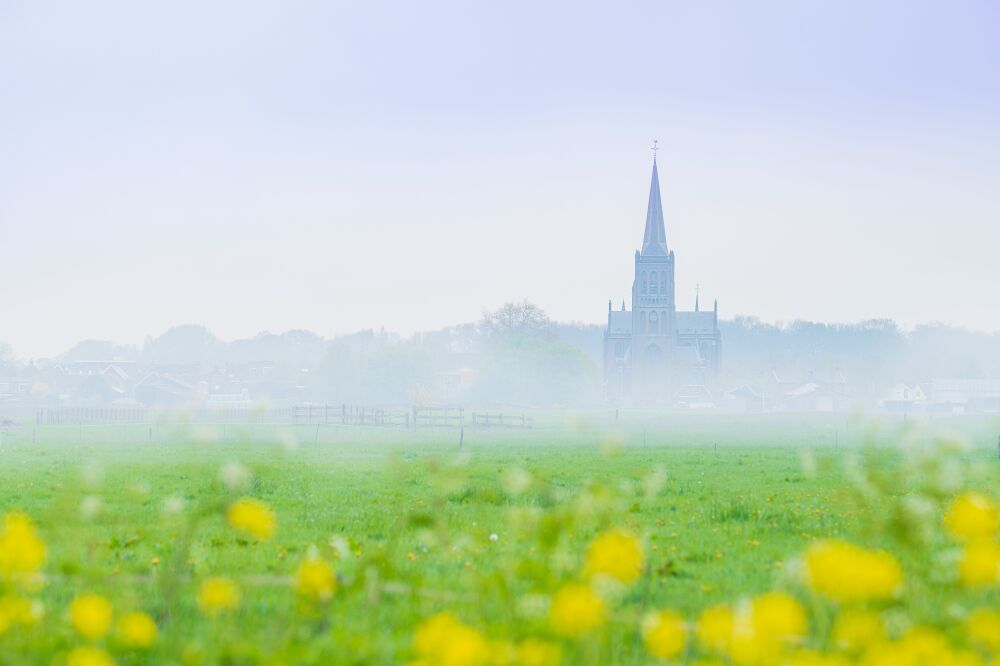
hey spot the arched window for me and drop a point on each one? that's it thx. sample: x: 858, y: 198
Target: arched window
x: 663, y: 282
x: 642, y: 322
x: 652, y: 282
x: 642, y: 278
x: 654, y: 322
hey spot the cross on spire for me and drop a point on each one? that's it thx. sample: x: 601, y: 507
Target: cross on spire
x: 654, y: 149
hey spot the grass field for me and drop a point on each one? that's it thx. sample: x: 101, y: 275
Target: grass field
x: 723, y: 507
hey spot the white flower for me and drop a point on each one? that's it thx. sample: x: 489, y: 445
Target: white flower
x: 235, y: 476
x: 494, y: 537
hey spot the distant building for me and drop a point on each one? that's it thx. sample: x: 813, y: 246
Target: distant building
x: 654, y: 353
x: 965, y: 396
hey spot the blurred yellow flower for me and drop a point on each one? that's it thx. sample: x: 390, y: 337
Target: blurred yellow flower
x: 973, y: 515
x: 15, y: 609
x: 536, y: 652
x: 89, y: 656
x: 576, y: 610
x: 857, y: 628
x: 22, y: 551
x: 137, y: 630
x: 617, y: 554
x: 253, y: 517
x: 315, y: 580
x: 983, y: 628
x: 979, y: 565
x: 847, y: 573
x: 919, y: 646
x: 442, y: 640
x: 779, y: 615
x: 664, y: 634
x: 217, y: 594
x: 714, y: 629
x: 90, y: 615
x: 764, y: 627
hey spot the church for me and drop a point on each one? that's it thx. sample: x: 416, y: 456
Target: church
x: 653, y: 353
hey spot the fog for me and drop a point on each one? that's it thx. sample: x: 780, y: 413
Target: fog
x: 374, y: 182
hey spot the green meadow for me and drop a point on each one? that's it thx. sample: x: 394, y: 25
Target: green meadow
x: 484, y: 524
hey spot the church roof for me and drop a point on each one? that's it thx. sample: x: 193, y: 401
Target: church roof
x: 620, y: 321
x: 654, y: 240
x: 695, y: 322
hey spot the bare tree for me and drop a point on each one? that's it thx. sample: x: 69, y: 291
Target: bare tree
x: 517, y: 319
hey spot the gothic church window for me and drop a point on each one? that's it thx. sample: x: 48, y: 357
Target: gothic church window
x: 643, y: 279
x: 652, y: 282
x: 654, y: 322
x: 663, y: 282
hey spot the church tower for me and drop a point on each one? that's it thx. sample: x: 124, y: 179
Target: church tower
x: 655, y: 354
x: 653, y: 305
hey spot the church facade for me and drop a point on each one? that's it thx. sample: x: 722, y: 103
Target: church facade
x: 653, y: 353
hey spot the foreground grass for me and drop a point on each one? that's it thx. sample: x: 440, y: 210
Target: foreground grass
x: 417, y: 526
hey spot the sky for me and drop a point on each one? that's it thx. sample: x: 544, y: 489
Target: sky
x: 335, y: 166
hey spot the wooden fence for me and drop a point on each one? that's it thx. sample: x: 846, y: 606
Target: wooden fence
x: 343, y: 414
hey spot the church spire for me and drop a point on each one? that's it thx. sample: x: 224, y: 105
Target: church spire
x: 654, y: 240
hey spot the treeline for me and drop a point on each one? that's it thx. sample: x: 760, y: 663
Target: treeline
x: 517, y: 355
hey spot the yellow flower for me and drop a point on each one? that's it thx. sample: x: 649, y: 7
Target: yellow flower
x: 919, y: 646
x: 779, y: 615
x: 137, y: 630
x: 21, y: 549
x: 17, y: 610
x: 664, y: 634
x: 576, y: 610
x: 983, y: 628
x: 617, y: 554
x: 847, y: 573
x: 857, y: 628
x: 536, y: 652
x: 980, y: 563
x: 90, y: 615
x: 253, y: 517
x: 442, y: 640
x: 217, y: 594
x: 972, y: 515
x: 715, y: 629
x: 315, y: 580
x: 89, y: 656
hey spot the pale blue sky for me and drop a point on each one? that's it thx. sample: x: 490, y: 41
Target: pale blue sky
x: 264, y: 166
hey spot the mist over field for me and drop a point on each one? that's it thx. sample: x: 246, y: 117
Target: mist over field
x: 450, y: 333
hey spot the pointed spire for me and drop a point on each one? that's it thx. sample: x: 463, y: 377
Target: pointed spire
x: 623, y: 305
x: 654, y: 240
x: 697, y: 293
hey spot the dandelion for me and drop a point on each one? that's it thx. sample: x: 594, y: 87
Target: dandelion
x: 22, y: 551
x: 89, y: 656
x: 617, y: 554
x: 715, y: 629
x: 576, y: 610
x: 972, y: 515
x: 217, y: 594
x: 983, y: 628
x: 979, y: 565
x: 315, y: 580
x: 17, y: 610
x: 847, y: 573
x: 664, y: 634
x: 137, y: 630
x: 442, y: 640
x: 90, y: 615
x: 857, y: 628
x: 253, y: 517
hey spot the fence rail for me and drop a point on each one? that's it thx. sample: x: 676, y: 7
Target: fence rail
x: 343, y: 414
